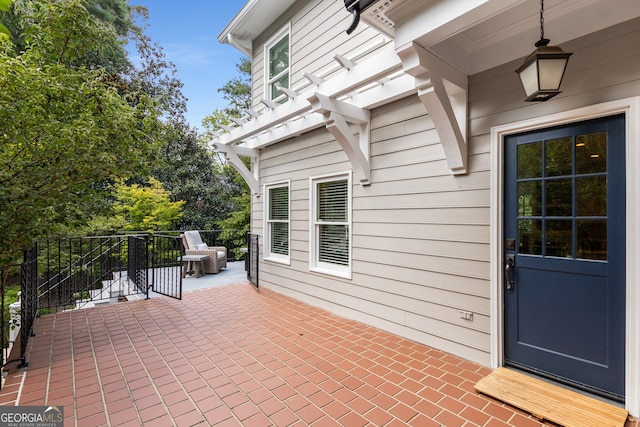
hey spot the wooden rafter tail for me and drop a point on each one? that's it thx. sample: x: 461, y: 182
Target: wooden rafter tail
x: 344, y: 62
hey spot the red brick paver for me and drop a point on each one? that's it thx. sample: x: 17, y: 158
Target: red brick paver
x: 233, y: 356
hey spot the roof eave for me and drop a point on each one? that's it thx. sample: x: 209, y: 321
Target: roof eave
x: 253, y: 19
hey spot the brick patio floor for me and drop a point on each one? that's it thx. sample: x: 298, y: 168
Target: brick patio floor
x: 230, y: 356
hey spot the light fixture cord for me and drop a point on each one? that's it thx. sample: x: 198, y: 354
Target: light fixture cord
x: 542, y: 41
x: 541, y: 19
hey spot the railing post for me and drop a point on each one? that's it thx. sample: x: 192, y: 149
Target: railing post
x: 28, y: 300
x: 253, y: 257
x: 149, y: 261
x: 3, y: 275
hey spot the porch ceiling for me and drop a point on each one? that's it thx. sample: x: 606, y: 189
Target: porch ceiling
x: 493, y: 32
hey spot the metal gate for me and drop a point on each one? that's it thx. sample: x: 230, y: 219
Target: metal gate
x: 137, y: 262
x: 166, y: 272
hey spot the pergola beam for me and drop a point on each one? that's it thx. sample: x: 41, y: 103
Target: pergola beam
x: 363, y: 73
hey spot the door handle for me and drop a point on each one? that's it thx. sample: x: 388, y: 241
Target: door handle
x: 508, y: 272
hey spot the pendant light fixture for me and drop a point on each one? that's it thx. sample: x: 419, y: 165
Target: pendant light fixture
x: 542, y: 72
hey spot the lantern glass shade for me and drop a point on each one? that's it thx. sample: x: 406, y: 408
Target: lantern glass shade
x: 542, y: 72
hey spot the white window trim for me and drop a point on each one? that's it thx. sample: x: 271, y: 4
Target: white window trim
x: 268, y: 255
x: 285, y: 31
x: 630, y: 107
x: 314, y: 264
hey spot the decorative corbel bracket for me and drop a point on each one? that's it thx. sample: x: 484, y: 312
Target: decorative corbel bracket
x: 337, y: 115
x: 232, y: 153
x: 443, y: 90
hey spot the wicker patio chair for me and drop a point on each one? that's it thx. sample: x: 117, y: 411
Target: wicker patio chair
x: 193, y: 245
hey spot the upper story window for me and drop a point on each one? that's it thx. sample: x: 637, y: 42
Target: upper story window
x: 277, y: 65
x: 277, y: 222
x: 331, y: 225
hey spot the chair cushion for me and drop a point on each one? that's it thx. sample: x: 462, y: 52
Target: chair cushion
x: 193, y: 239
x: 202, y: 246
x: 221, y: 255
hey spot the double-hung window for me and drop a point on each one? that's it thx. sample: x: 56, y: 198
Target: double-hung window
x: 277, y: 61
x: 331, y: 225
x: 277, y: 222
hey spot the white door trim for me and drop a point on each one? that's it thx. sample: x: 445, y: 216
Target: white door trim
x: 631, y: 108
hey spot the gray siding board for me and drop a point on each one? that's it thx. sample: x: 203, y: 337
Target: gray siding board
x: 328, y: 167
x: 429, y: 232
x: 422, y: 245
x: 429, y: 168
x: 402, y: 110
x: 450, y: 198
x: 434, y: 183
x: 424, y: 281
x: 437, y: 216
x: 406, y: 157
x: 469, y: 268
x: 329, y: 151
x: 432, y: 296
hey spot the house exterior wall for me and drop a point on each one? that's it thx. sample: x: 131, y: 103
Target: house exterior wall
x: 420, y: 235
x: 312, y: 45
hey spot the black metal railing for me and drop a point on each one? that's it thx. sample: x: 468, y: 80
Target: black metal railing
x: 215, y: 238
x: 17, y: 316
x: 253, y: 256
x: 28, y: 299
x: 74, y: 271
x: 68, y: 273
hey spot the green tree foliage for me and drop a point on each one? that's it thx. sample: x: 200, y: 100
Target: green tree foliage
x: 238, y: 92
x: 155, y: 76
x: 194, y: 174
x: 117, y: 13
x: 4, y: 7
x: 66, y: 128
x: 236, y: 226
x: 146, y: 208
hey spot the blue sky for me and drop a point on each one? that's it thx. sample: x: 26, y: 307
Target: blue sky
x: 187, y: 32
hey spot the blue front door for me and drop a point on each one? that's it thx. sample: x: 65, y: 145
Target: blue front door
x: 564, y: 255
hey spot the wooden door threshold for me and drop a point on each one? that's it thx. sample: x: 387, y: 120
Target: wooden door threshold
x: 550, y: 402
